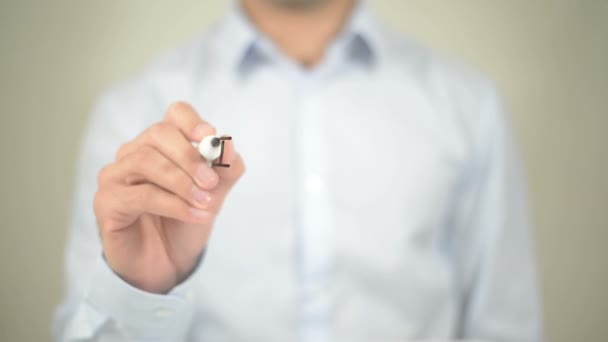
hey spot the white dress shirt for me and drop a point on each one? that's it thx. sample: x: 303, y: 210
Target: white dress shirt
x: 383, y: 199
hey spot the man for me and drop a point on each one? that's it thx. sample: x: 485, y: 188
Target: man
x: 382, y: 198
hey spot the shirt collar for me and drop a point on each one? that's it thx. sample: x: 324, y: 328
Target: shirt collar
x: 363, y: 32
x: 245, y: 47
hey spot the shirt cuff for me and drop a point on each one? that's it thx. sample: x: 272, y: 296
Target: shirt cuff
x: 139, y: 314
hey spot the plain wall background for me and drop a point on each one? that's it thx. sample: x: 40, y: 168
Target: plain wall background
x: 550, y: 59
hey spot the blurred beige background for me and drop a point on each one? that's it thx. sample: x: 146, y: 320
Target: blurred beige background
x: 550, y: 58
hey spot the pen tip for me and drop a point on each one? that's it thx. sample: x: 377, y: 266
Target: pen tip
x: 215, y: 142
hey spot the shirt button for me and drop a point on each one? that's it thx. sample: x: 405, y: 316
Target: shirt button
x: 189, y: 295
x: 163, y: 312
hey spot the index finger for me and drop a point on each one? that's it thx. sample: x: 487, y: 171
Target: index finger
x: 183, y: 116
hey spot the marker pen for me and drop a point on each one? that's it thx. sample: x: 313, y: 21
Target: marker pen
x: 212, y: 148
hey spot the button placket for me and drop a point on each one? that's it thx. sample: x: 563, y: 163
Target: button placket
x: 315, y: 235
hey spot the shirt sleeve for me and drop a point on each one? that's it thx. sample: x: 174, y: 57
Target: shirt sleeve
x: 98, y: 304
x: 494, y: 252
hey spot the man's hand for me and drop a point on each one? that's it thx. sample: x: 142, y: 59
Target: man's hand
x: 156, y: 203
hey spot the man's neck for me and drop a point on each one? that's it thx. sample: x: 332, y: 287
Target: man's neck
x: 302, y: 33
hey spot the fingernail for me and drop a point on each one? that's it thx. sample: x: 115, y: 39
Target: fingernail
x: 206, y: 175
x: 200, y: 196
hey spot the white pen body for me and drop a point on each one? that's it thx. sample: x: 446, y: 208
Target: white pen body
x: 207, y: 149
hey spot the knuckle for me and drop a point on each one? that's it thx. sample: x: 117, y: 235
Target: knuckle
x: 178, y: 107
x: 158, y: 131
x: 103, y: 175
x: 143, y: 157
x: 122, y: 151
x: 135, y: 163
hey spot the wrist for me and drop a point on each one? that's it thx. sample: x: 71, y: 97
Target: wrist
x: 156, y: 280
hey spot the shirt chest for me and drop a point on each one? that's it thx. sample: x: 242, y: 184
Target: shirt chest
x: 387, y: 173
x: 342, y: 177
